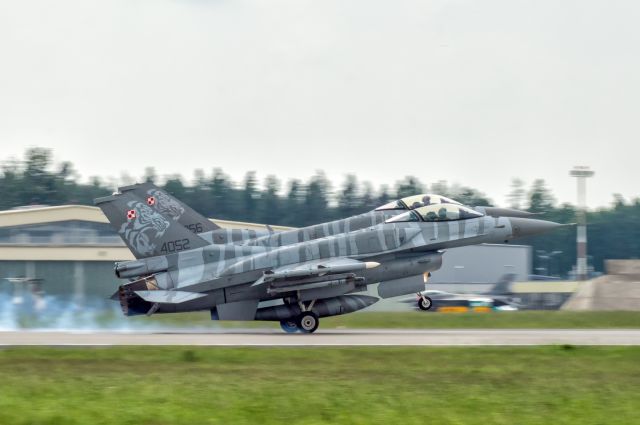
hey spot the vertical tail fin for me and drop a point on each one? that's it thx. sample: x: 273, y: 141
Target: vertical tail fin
x: 503, y: 286
x: 170, y: 207
x: 145, y: 231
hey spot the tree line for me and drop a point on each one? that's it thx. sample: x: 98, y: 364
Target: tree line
x: 613, y: 232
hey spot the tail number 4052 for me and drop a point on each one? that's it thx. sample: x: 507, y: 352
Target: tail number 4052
x: 175, y: 246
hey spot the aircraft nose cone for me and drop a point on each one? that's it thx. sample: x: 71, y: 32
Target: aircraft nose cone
x: 522, y: 227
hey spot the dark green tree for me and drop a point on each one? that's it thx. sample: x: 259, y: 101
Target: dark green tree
x: 270, y: 202
x: 222, y: 199
x: 150, y: 175
x: 175, y: 187
x: 250, y: 197
x: 409, y: 186
x: 383, y: 196
x: 517, y: 194
x: 349, y: 200
x: 368, y: 199
x: 294, y: 203
x: 471, y: 197
x: 316, y: 201
x: 540, y: 198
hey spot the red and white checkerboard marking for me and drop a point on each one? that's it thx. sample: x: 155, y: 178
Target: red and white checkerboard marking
x: 131, y: 214
x: 151, y: 200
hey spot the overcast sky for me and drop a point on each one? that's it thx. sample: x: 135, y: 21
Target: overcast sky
x: 473, y: 92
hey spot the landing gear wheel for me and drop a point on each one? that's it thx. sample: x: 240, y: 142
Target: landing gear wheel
x: 289, y: 326
x: 308, y: 322
x: 425, y: 303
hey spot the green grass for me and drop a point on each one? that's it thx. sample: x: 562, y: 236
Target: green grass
x: 162, y: 385
x: 422, y: 320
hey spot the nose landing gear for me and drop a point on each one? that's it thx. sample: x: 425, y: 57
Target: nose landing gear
x: 424, y: 302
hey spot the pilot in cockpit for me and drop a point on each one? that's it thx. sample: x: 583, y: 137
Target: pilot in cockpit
x: 426, y: 200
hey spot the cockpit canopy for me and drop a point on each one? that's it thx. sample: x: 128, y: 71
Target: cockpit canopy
x: 417, y: 201
x: 437, y: 212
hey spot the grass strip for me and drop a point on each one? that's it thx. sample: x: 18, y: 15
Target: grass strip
x: 177, y: 385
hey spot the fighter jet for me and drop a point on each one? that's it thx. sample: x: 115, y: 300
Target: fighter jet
x: 447, y: 301
x: 162, y: 202
x: 498, y: 297
x: 179, y: 271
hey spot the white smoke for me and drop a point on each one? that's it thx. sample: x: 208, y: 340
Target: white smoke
x: 50, y: 312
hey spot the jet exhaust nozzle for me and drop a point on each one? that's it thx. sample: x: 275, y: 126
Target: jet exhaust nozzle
x: 132, y: 304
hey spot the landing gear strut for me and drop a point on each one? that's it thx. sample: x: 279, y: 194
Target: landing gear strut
x: 307, y: 321
x: 424, y: 302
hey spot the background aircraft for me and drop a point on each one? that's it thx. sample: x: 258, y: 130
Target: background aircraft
x: 497, y: 298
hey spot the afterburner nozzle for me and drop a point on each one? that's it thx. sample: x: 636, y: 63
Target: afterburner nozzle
x: 523, y: 227
x: 505, y: 212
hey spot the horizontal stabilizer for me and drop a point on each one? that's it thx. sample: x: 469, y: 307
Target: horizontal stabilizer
x: 169, y: 297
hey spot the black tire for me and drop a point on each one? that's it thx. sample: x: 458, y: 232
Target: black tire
x: 289, y: 326
x: 425, y: 303
x: 308, y: 322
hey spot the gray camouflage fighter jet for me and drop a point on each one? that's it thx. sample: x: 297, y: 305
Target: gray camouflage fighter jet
x: 172, y: 208
x: 295, y: 284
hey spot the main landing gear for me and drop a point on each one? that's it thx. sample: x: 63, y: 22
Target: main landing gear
x: 306, y: 322
x: 289, y: 326
x: 424, y: 302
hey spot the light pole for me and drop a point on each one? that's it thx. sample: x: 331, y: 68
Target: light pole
x: 581, y: 174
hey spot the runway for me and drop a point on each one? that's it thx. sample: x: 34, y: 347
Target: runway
x: 365, y: 337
